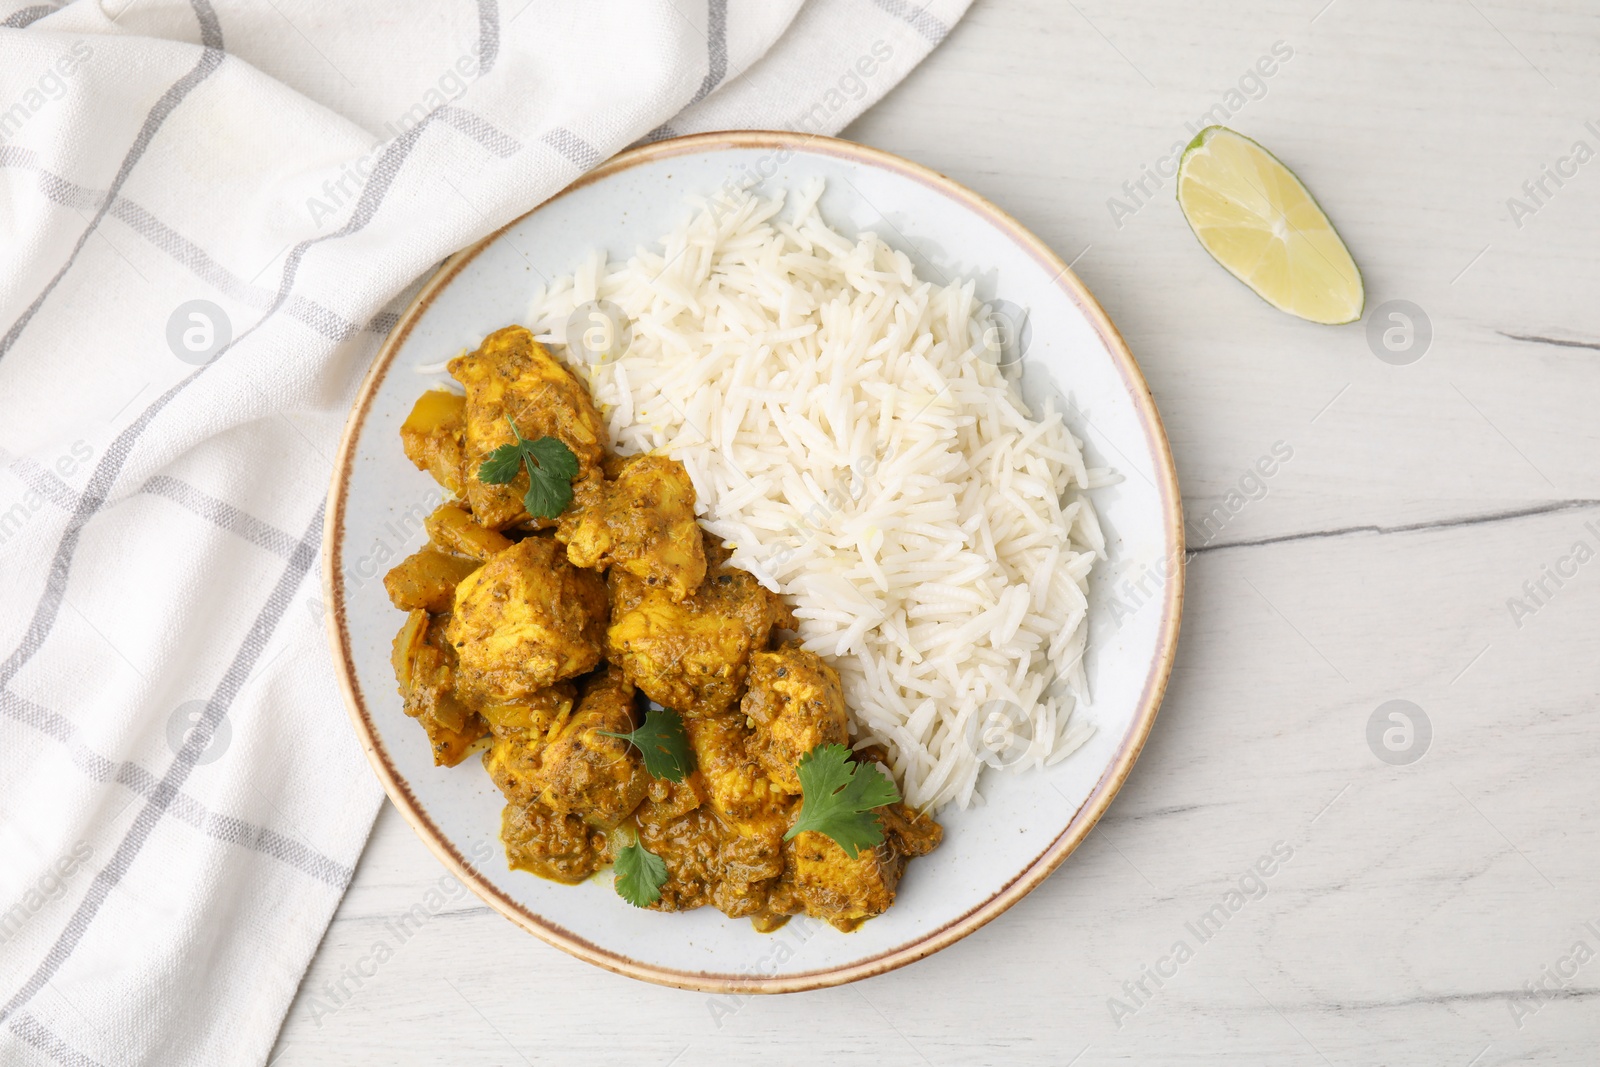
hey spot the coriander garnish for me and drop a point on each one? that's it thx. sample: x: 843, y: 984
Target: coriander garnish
x: 640, y: 874
x: 662, y: 743
x: 551, y: 468
x: 838, y: 796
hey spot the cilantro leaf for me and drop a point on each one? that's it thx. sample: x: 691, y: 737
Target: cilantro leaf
x: 501, y: 465
x: 640, y: 875
x: 837, y: 798
x: 662, y: 743
x: 551, y: 468
x: 554, y: 458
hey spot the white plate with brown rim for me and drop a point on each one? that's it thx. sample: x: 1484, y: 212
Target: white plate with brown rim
x: 992, y: 854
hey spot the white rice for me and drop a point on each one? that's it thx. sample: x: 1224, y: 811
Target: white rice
x: 851, y: 436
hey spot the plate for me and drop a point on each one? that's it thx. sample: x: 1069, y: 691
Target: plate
x: 993, y: 854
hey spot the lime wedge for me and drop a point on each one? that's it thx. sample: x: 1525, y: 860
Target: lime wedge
x: 1256, y: 219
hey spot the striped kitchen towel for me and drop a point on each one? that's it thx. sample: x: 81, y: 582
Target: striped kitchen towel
x: 210, y: 213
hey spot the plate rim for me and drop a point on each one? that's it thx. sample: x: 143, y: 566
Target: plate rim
x: 1025, y: 881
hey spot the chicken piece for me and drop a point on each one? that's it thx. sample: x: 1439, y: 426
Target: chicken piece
x: 666, y: 800
x: 692, y: 655
x: 535, y: 718
x: 526, y: 620
x: 822, y: 880
x: 708, y: 860
x: 688, y: 844
x: 562, y: 848
x: 748, y: 866
x: 754, y: 813
x: 729, y: 861
x: 433, y: 437
x: 795, y: 703
x: 513, y: 375
x: 643, y: 522
x: 425, y: 667
x: 733, y: 780
x: 452, y: 527
x: 587, y: 773
x: 427, y: 580
x: 696, y: 849
x: 908, y: 831
x: 521, y: 732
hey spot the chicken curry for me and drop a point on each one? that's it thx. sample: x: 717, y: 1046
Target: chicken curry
x: 539, y: 634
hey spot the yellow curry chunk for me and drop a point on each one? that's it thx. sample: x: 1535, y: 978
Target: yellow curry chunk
x: 709, y: 862
x: 585, y: 772
x: 433, y: 437
x: 729, y: 772
x: 753, y: 813
x: 453, y: 527
x: 794, y: 703
x: 536, y: 717
x: 521, y: 732
x: 562, y: 848
x: 821, y: 880
x: 425, y: 667
x: 908, y: 831
x: 513, y: 375
x: 642, y: 521
x: 691, y: 655
x: 427, y: 580
x: 748, y: 866
x: 687, y: 843
x: 525, y: 620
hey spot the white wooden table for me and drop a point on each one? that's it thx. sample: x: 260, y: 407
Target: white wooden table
x: 1424, y: 902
